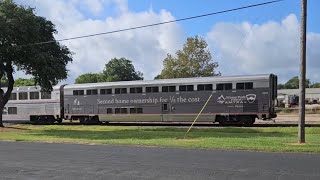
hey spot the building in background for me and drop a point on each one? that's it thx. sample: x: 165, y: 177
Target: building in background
x: 290, y: 97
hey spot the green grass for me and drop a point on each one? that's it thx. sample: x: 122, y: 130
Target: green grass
x: 254, y: 139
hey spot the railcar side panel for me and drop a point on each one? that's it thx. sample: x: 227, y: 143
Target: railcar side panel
x: 170, y: 106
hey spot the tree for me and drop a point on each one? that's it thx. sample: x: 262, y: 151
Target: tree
x: 281, y: 86
x: 315, y: 85
x: 20, y: 30
x: 24, y: 82
x: 4, y: 82
x: 89, y: 78
x: 194, y: 60
x: 120, y: 70
x: 293, y: 83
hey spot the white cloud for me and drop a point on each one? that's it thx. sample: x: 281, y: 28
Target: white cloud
x: 96, y: 6
x: 271, y: 47
x: 145, y: 47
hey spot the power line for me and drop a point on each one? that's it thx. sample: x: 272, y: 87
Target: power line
x: 244, y: 40
x: 157, y: 24
x: 241, y: 45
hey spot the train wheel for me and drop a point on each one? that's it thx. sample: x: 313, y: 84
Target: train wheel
x: 225, y: 121
x: 50, y: 119
x: 82, y: 120
x: 59, y: 120
x: 248, y: 120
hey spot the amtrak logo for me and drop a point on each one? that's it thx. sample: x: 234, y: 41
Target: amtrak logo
x: 76, y: 102
x: 243, y: 99
x: 251, y: 97
x: 221, y: 99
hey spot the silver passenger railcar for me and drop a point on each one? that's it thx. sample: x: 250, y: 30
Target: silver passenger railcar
x: 27, y: 101
x: 234, y: 100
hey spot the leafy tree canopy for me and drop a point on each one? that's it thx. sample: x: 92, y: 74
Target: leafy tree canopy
x: 89, y: 78
x: 115, y: 70
x: 194, y: 60
x: 281, y: 86
x: 20, y: 30
x: 18, y: 82
x: 293, y: 83
x: 121, y: 70
x: 24, y: 82
x: 315, y: 85
x: 4, y: 82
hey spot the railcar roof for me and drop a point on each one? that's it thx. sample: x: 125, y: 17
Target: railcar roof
x: 170, y: 81
x: 24, y: 88
x: 152, y: 82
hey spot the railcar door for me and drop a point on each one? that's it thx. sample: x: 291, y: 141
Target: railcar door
x: 165, y: 111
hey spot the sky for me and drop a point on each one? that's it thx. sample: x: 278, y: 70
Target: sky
x: 259, y: 40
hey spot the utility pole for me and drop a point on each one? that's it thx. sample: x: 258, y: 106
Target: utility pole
x: 302, y: 79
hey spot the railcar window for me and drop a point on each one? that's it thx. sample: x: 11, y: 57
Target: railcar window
x: 219, y: 87
x: 92, y: 91
x: 121, y: 111
x: 136, y: 111
x: 172, y: 88
x: 228, y: 86
x: 189, y: 87
x: 124, y: 111
x: 224, y: 86
x: 45, y: 95
x: 165, y: 89
x: 240, y: 86
x: 109, y: 110
x: 200, y: 87
x: 139, y: 110
x: 13, y: 96
x: 34, y: 95
x: 246, y: 85
x: 117, y: 110
x: 12, y: 110
x: 78, y: 92
x: 183, y: 88
x: 208, y: 87
x: 133, y: 110
x: 204, y: 87
x: 121, y: 91
x: 165, y: 107
x: 105, y: 91
x: 168, y: 88
x: 139, y: 90
x: 153, y: 89
x: 23, y: 95
x: 148, y: 89
x: 136, y: 90
x: 186, y: 88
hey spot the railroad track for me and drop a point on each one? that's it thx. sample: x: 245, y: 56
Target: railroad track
x: 171, y: 124
x: 207, y: 125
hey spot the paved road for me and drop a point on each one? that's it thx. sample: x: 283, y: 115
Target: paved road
x: 64, y: 161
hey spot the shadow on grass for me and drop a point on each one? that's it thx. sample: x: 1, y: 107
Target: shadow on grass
x: 158, y: 133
